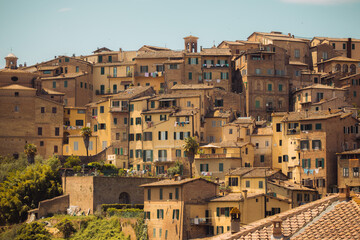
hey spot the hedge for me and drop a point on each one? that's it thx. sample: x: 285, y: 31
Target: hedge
x: 105, y: 207
x: 125, y: 213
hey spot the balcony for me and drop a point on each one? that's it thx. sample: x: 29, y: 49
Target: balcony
x: 119, y: 109
x: 293, y: 131
x: 200, y: 221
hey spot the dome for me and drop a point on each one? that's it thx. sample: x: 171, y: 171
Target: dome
x: 10, y: 55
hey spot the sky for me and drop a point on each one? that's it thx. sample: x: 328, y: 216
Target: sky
x: 38, y: 30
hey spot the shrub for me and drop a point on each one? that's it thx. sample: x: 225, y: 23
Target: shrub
x: 105, y: 207
x: 72, y: 161
x: 33, y: 231
x: 124, y: 213
x: 66, y: 227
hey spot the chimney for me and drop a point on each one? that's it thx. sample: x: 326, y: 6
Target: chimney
x: 235, y: 220
x: 245, y: 194
x: 277, y: 232
x: 348, y: 48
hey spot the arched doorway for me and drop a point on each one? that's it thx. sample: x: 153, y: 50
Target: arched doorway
x: 124, y: 198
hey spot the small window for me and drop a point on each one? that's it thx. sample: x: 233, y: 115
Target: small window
x: 53, y: 110
x: 41, y: 143
x: 57, y: 131
x: 14, y: 79
x: 16, y: 94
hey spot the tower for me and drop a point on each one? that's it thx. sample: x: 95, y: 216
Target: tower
x: 11, y: 61
x: 191, y: 43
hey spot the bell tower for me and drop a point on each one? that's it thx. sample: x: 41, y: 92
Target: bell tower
x: 191, y: 44
x: 11, y: 61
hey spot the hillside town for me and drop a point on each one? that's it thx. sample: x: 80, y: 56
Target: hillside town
x: 248, y: 139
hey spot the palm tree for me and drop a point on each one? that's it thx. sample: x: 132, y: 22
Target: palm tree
x: 191, y: 147
x: 30, y: 151
x: 86, y: 133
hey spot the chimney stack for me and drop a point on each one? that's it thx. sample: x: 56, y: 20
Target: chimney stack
x: 277, y: 232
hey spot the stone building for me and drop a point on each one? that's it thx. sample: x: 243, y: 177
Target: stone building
x: 348, y: 163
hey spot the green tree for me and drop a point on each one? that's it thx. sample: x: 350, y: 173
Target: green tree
x: 175, y: 170
x: 33, y: 231
x: 66, y: 227
x: 191, y: 147
x: 30, y: 151
x: 23, y: 190
x: 86, y: 133
x: 72, y: 161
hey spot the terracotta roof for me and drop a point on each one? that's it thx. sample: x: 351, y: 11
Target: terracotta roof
x: 154, y: 48
x: 355, y: 151
x: 297, y: 63
x: 350, y: 76
x: 341, y: 222
x: 191, y: 36
x: 231, y: 197
x: 160, y: 54
x: 43, y: 68
x: 259, y: 172
x: 263, y: 131
x: 290, y: 185
x: 124, y: 63
x: 340, y: 59
x: 131, y: 92
x: 171, y: 182
x: 175, y: 95
x: 191, y: 86
x: 10, y: 55
x: 17, y: 87
x: 174, y: 61
x: 165, y: 110
x: 52, y: 92
x: 184, y: 113
x: 312, y: 115
x: 64, y: 76
x: 293, y: 221
x: 320, y: 86
x: 103, y: 49
x: 227, y: 144
x: 215, y: 51
x: 218, y: 114
x: 336, y: 39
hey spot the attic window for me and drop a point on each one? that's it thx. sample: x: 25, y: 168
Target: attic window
x: 14, y: 78
x: 16, y: 94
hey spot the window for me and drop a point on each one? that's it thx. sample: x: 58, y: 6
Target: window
x: 54, y: 84
x: 163, y: 135
x: 221, y: 167
x: 190, y: 75
x: 247, y: 184
x: 143, y: 69
x: 176, y: 193
x: 176, y: 214
x: 207, y: 75
x: 102, y: 126
x: 224, y: 75
x: 299, y: 197
x: 42, y: 109
x: 56, y: 149
x: 131, y: 109
x: 269, y: 87
x: 230, y: 131
x: 285, y: 158
x: 76, y: 146
x: 278, y: 127
x: 279, y: 159
x: 16, y: 109
x: 257, y: 104
x: 334, y: 45
x: 152, y: 104
x: 344, y: 45
x: 79, y: 122
x: 306, y: 163
x: 102, y: 109
x: 91, y: 145
x: 95, y: 128
x: 138, y: 121
x: 297, y: 73
x: 317, y: 126
x: 163, y: 117
x: 41, y: 143
x: 261, y: 184
x: 280, y: 87
x: 39, y: 131
x: 57, y: 131
x: 356, y: 171
x: 262, y: 158
x: 149, y: 194
x: 304, y: 145
x: 138, y: 137
x: 131, y: 137
x: 204, y: 167
x: 233, y: 181
x: 306, y: 127
x: 125, y: 121
x: 354, y: 93
x: 219, y: 102
x: 297, y: 53
x: 319, y: 163
x: 280, y: 142
x: 345, y: 172
x: 160, y: 213
x: 173, y: 66
x: 109, y: 58
x: 81, y: 84
x: 159, y: 68
x: 193, y: 61
x: 147, y: 136
x: 257, y: 71
x: 53, y: 110
x: 102, y: 70
x: 316, y: 144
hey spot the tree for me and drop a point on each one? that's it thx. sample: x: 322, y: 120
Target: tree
x: 30, y: 151
x: 72, y: 161
x: 177, y: 169
x: 191, y: 147
x: 86, y: 133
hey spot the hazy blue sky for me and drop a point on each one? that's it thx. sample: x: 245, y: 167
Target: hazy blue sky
x: 38, y: 30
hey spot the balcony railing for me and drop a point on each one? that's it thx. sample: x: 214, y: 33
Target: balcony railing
x: 119, y: 109
x: 293, y: 131
x: 200, y: 221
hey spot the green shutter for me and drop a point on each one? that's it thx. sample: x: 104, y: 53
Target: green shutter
x: 303, y: 163
x: 210, y: 75
x: 197, y: 60
x: 173, y: 214
x: 221, y: 167
x: 316, y: 163
x: 309, y: 163
x: 218, y: 212
x: 207, y: 167
x: 151, y: 155
x: 189, y: 60
x: 322, y: 163
x: 227, y: 211
x: 121, y: 151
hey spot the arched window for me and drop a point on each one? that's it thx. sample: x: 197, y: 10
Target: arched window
x: 124, y: 198
x: 345, y: 68
x: 352, y: 69
x: 337, y: 68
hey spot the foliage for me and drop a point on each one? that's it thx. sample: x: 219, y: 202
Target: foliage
x: 101, y: 229
x: 125, y: 213
x: 122, y: 172
x: 9, y: 165
x: 72, y: 161
x: 177, y: 169
x: 77, y: 168
x: 53, y: 162
x: 66, y: 227
x: 141, y: 229
x: 10, y: 232
x: 95, y: 165
x: 33, y: 231
x: 105, y: 207
x: 22, y: 191
x: 30, y: 150
x: 191, y: 147
x: 224, y: 188
x: 86, y: 132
